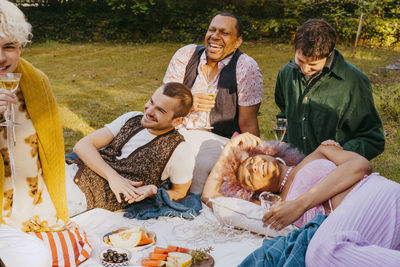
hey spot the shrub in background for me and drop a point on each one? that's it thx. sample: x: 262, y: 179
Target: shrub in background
x: 187, y: 20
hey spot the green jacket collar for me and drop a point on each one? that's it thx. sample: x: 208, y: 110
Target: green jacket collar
x: 338, y: 66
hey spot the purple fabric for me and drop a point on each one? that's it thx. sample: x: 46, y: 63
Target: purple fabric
x: 308, y: 176
x: 364, y: 230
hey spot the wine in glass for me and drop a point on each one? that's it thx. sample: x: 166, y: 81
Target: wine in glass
x: 212, y: 93
x: 10, y: 82
x: 280, y: 129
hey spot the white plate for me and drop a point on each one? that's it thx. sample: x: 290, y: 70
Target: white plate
x: 137, y: 248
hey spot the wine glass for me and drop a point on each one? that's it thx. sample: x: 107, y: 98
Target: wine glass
x: 199, y: 119
x: 212, y: 93
x: 268, y: 199
x: 280, y: 128
x: 10, y: 82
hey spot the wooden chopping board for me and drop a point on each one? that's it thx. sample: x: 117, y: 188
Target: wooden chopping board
x: 205, y: 263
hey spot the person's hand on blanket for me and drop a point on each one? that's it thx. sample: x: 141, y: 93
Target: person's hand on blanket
x: 145, y: 191
x: 120, y: 185
x: 283, y: 213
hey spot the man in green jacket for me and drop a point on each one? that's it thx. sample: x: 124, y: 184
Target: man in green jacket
x: 325, y: 97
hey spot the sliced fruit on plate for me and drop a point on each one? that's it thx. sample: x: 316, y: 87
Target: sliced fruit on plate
x: 159, y: 250
x: 126, y: 239
x: 179, y: 249
x: 123, y: 229
x: 172, y: 256
x: 150, y: 262
x: 146, y: 239
x: 178, y: 259
x: 107, y: 240
x: 157, y: 256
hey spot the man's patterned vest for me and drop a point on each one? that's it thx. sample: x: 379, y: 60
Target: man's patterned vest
x: 145, y: 164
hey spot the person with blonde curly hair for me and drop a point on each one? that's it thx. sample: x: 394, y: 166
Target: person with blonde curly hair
x: 13, y: 25
x: 32, y: 172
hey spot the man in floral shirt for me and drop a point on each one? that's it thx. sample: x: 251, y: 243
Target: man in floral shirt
x: 220, y: 64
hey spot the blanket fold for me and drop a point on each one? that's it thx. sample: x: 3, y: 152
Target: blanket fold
x: 162, y: 205
x: 287, y: 251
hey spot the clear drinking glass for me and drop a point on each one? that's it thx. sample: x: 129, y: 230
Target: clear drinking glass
x: 268, y: 199
x: 201, y: 119
x: 211, y: 92
x: 279, y: 128
x: 10, y: 82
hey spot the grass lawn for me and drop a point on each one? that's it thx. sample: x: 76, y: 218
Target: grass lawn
x: 95, y: 83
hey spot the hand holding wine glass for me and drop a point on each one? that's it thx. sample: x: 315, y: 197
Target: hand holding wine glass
x: 9, y: 83
x: 268, y: 199
x: 203, y: 103
x: 6, y: 97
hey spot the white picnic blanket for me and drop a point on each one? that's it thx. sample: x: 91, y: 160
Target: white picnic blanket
x: 231, y: 246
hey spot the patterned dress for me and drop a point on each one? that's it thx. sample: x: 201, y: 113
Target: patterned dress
x: 27, y: 204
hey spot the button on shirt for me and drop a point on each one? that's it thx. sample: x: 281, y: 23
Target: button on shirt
x: 339, y: 106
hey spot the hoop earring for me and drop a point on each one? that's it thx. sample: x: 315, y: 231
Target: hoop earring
x: 281, y: 161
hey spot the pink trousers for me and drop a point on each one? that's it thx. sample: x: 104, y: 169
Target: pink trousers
x: 363, y: 231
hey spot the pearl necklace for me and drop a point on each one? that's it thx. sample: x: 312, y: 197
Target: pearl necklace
x: 285, y: 179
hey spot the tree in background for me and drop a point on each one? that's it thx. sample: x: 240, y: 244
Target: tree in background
x: 187, y: 20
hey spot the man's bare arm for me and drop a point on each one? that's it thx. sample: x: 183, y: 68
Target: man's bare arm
x: 87, y: 150
x: 248, y: 121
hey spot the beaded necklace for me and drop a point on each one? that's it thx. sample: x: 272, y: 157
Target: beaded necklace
x: 285, y: 179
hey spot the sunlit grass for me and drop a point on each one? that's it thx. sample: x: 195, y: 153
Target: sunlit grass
x: 95, y: 83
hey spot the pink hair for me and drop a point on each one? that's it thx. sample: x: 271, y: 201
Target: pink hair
x: 230, y: 186
x: 290, y: 155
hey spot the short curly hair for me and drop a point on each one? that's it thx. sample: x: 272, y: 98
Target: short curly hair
x: 13, y: 24
x: 315, y: 39
x: 230, y: 185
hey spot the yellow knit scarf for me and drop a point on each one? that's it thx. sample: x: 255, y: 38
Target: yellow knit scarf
x: 42, y: 108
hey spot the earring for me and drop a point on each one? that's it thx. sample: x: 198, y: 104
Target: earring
x: 281, y: 161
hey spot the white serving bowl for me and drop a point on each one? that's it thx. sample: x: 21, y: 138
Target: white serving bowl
x: 113, y: 264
